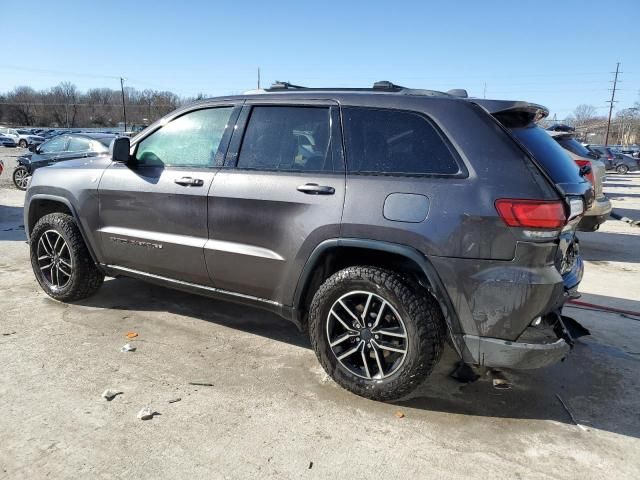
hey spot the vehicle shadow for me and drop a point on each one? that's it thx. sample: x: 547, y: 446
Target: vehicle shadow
x: 609, y: 247
x: 11, y: 227
x: 592, y: 381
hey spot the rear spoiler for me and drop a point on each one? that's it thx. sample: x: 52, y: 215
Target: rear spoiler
x: 513, y: 113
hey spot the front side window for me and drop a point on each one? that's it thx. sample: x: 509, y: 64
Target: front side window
x: 54, y: 145
x: 78, y: 144
x: 395, y: 142
x: 191, y: 140
x: 288, y: 139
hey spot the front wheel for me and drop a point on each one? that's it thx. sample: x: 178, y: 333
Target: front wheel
x: 60, y: 259
x: 21, y: 178
x: 622, y: 169
x: 376, y: 334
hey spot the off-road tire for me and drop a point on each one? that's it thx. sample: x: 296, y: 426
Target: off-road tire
x: 85, y: 278
x: 622, y: 169
x: 22, y: 143
x: 20, y: 172
x: 422, y: 317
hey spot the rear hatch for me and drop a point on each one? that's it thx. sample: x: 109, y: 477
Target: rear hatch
x: 519, y: 119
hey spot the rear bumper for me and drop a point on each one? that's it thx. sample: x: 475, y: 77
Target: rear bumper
x: 497, y: 353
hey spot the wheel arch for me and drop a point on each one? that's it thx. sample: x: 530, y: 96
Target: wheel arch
x: 335, y: 254
x: 40, y: 205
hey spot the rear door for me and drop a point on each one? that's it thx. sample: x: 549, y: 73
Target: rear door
x: 280, y: 194
x: 153, y: 211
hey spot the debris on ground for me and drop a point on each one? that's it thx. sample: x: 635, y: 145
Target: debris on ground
x: 8, y: 333
x: 128, y: 348
x: 573, y: 419
x: 464, y: 373
x: 131, y: 335
x: 201, y: 384
x: 174, y: 400
x: 501, y: 384
x: 109, y: 394
x: 146, y: 413
x: 310, y: 465
x: 399, y: 414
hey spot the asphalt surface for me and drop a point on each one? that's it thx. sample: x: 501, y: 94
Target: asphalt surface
x: 269, y: 410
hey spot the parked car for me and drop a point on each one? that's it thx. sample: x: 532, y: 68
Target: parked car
x: 594, y: 171
x: 617, y: 162
x: 7, y: 141
x: 60, y: 148
x: 410, y: 217
x: 22, y: 137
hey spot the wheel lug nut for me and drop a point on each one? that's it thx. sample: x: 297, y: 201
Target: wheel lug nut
x: 369, y: 325
x: 377, y: 337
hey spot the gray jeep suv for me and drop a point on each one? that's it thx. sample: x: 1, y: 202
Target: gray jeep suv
x: 384, y: 221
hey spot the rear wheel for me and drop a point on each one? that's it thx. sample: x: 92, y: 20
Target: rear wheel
x: 20, y: 178
x: 22, y: 143
x: 374, y: 333
x: 60, y: 259
x: 622, y: 169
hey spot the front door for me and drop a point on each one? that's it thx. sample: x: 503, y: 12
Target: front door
x: 280, y: 194
x: 153, y: 211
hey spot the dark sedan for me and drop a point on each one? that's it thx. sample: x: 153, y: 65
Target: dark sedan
x: 57, y: 149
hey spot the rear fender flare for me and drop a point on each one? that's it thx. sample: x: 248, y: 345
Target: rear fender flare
x: 439, y: 291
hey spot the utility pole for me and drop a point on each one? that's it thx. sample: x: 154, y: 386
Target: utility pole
x: 124, y: 108
x: 611, y: 102
x: 258, y: 78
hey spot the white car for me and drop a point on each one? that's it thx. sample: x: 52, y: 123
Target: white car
x: 7, y: 141
x: 22, y: 137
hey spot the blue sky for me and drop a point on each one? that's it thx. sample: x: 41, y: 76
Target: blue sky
x: 558, y: 53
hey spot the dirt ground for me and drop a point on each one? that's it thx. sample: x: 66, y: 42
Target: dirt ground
x: 271, y: 412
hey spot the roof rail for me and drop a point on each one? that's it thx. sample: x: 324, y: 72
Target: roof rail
x: 278, y: 85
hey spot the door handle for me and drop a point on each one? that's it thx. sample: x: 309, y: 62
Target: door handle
x: 315, y: 189
x: 189, y: 182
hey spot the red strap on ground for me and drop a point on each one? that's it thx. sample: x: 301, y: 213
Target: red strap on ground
x: 604, y: 309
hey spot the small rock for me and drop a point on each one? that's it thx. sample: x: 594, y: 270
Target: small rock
x: 109, y: 394
x: 399, y: 414
x: 128, y: 348
x: 132, y: 334
x: 146, y: 413
x: 201, y: 384
x: 174, y: 400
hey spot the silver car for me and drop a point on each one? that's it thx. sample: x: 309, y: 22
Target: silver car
x: 599, y: 210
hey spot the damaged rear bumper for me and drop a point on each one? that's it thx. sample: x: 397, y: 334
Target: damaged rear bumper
x: 535, y: 348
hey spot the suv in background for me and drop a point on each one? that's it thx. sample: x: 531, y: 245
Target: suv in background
x: 594, y: 171
x: 380, y: 220
x: 22, y: 137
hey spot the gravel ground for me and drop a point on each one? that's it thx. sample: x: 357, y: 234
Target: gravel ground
x: 271, y: 412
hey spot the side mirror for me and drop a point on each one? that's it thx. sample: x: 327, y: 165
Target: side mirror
x: 119, y: 149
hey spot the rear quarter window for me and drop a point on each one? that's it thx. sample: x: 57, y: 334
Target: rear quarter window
x: 549, y: 154
x: 395, y: 142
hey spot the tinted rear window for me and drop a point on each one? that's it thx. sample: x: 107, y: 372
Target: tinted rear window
x: 574, y: 146
x: 392, y: 141
x: 551, y: 156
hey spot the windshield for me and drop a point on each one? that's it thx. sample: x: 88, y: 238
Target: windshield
x: 549, y: 154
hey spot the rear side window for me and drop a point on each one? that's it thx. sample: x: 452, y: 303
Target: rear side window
x: 287, y: 138
x: 549, y: 154
x: 395, y: 142
x: 78, y: 144
x: 574, y: 146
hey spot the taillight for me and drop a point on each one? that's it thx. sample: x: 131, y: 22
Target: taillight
x: 538, y: 214
x: 589, y: 176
